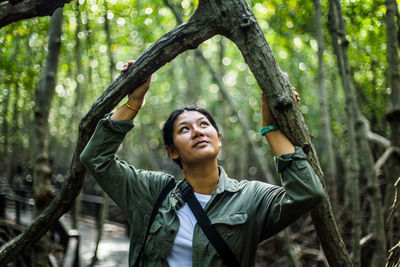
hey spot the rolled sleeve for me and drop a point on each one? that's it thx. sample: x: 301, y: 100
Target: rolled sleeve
x: 302, y: 190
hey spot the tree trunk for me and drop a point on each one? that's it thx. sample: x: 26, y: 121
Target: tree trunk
x: 231, y: 18
x: 78, y: 102
x: 394, y: 72
x: 100, y: 225
x: 104, y: 207
x: 393, y: 116
x: 14, y: 159
x: 328, y: 159
x: 4, y: 131
x: 359, y: 150
x: 43, y: 192
x: 9, y: 139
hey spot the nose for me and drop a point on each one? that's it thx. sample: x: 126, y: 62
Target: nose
x: 197, y: 131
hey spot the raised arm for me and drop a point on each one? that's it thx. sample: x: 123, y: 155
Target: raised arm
x: 135, y: 100
x: 278, y: 142
x: 122, y: 181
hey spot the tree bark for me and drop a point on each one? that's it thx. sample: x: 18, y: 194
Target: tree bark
x: 27, y: 9
x: 231, y: 18
x: 43, y: 193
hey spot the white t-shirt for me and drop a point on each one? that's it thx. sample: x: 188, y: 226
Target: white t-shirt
x: 181, y: 252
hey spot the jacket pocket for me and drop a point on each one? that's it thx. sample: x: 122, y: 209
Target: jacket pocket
x: 231, y: 219
x: 150, y: 250
x: 231, y: 228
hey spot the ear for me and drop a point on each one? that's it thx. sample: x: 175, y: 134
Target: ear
x: 220, y: 139
x: 172, y: 153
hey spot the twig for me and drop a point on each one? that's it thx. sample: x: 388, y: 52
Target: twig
x: 396, y: 202
x: 383, y: 158
x: 390, y: 261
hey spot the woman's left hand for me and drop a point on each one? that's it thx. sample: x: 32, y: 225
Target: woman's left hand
x: 267, y: 117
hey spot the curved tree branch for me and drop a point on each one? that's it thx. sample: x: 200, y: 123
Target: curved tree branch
x: 11, y: 12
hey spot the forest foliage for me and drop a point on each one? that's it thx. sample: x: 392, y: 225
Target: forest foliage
x: 289, y: 27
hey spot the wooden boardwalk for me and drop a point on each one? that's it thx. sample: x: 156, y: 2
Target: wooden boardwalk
x: 113, y: 249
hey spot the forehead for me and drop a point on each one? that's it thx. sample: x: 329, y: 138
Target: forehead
x: 188, y: 117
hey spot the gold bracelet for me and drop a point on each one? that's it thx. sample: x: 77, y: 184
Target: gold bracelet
x: 129, y: 106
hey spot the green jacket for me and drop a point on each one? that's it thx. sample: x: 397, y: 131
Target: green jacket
x: 244, y: 213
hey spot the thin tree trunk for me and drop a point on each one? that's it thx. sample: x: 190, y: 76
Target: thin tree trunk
x: 339, y: 44
x: 244, y: 144
x: 14, y: 159
x: 193, y: 74
x: 4, y: 131
x: 394, y: 71
x: 393, y: 116
x: 328, y: 159
x: 359, y: 150
x: 105, y: 205
x: 100, y: 225
x: 43, y: 192
x: 78, y: 102
x: 9, y: 138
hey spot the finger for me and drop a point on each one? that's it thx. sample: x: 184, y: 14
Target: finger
x: 124, y: 68
x: 127, y: 65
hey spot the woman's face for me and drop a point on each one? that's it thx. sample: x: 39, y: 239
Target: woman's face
x: 195, y: 139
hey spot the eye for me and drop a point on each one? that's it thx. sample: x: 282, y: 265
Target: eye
x: 203, y: 123
x: 184, y: 129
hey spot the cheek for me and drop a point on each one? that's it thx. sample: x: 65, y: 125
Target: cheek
x: 179, y: 142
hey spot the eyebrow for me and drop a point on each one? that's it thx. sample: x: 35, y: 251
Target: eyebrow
x: 185, y: 122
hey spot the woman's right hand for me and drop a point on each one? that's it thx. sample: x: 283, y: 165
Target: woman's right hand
x: 136, y: 98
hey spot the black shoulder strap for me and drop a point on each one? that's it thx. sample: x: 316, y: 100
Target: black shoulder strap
x: 156, y: 206
x: 209, y: 230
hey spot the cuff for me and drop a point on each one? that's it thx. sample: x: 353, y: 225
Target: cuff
x: 120, y: 126
x: 284, y: 161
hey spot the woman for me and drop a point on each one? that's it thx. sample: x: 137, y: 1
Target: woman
x: 244, y: 213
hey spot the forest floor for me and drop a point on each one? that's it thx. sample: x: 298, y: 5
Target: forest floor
x: 113, y: 248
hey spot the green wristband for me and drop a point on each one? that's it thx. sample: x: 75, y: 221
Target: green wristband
x: 269, y: 128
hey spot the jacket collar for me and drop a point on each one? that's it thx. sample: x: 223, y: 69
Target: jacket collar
x: 225, y: 183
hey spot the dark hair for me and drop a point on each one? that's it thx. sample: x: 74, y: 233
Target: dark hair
x: 168, y: 128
